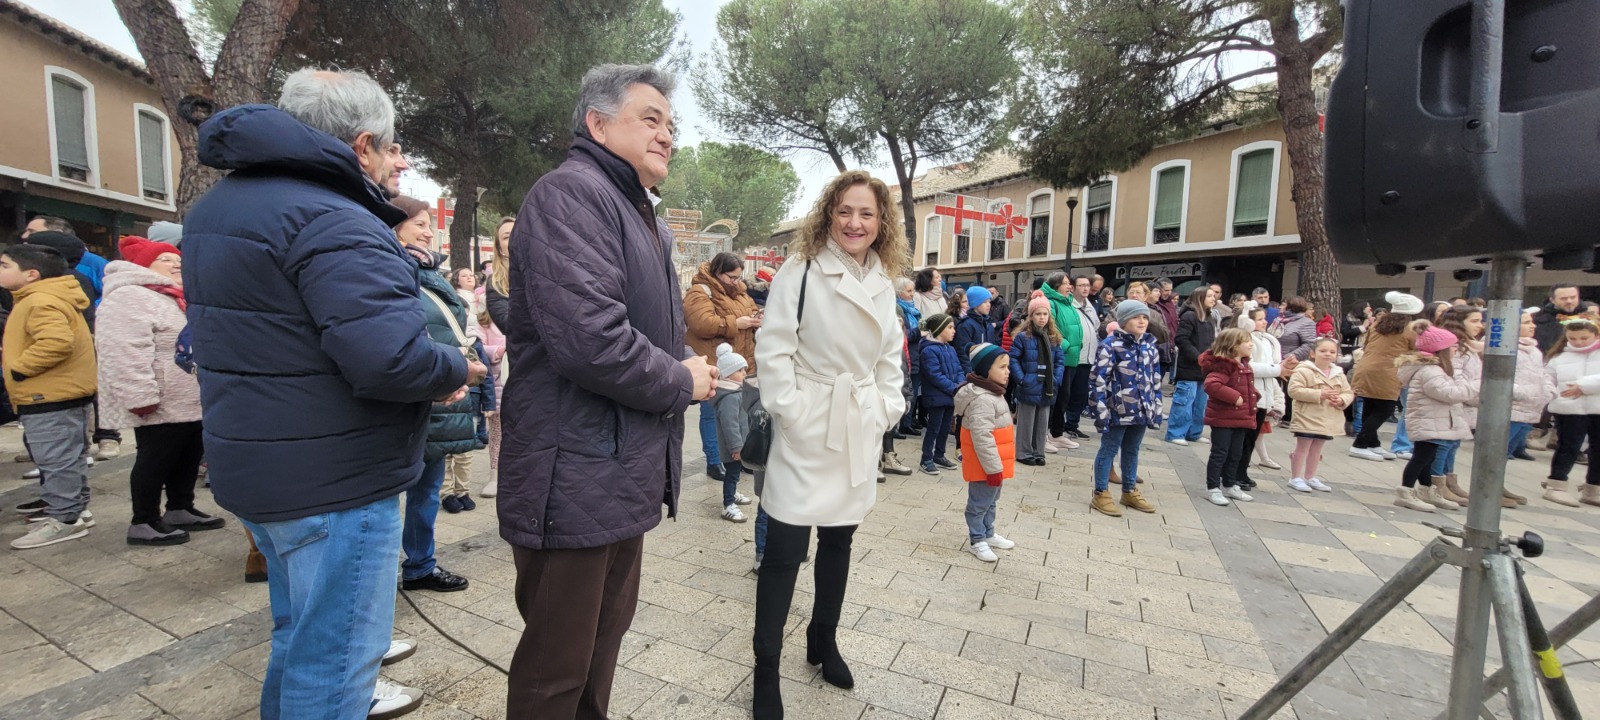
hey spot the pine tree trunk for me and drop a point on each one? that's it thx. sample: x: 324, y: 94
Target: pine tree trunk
x: 1319, y: 271
x: 189, y: 93
x: 464, y: 224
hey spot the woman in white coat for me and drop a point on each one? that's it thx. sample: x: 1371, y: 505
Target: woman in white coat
x: 830, y: 379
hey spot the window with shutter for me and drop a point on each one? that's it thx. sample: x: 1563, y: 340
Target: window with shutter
x: 152, y: 156
x: 1253, y: 193
x: 963, y: 247
x: 1039, y: 225
x: 1168, y: 221
x: 1097, y: 218
x: 933, y: 233
x: 72, y: 133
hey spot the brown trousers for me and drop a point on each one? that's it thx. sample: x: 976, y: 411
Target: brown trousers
x: 576, y: 605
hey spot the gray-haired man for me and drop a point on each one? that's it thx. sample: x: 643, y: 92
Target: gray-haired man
x: 316, y: 375
x: 593, y: 440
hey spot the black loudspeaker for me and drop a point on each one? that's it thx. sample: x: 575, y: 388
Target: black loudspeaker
x: 1425, y: 161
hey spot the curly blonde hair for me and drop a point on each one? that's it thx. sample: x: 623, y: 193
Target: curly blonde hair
x: 890, y: 245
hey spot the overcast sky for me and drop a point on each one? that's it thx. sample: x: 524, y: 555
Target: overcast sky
x: 98, y: 19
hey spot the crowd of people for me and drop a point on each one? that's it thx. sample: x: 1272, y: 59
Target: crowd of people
x: 306, y: 353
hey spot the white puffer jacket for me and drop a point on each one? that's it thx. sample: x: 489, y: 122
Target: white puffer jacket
x: 1580, y: 368
x: 136, y: 331
x: 1266, y: 362
x: 1534, y: 388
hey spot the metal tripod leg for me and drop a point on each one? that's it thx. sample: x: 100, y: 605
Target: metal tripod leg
x: 1515, y: 651
x: 1580, y: 620
x: 1550, y: 673
x: 1363, y: 619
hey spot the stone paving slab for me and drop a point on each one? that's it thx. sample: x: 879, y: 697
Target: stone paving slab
x: 1189, y: 612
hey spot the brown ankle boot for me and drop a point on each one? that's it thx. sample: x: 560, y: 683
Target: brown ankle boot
x: 255, y: 564
x: 1445, y: 486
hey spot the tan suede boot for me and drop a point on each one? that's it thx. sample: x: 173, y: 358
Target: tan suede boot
x: 1407, y: 498
x: 1102, y: 502
x: 1449, y: 490
x: 1556, y: 491
x: 1135, y: 500
x: 1591, y: 495
x: 1432, y: 496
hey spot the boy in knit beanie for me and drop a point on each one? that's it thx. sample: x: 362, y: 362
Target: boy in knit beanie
x: 942, y: 375
x: 988, y: 441
x: 733, y: 424
x: 1126, y: 395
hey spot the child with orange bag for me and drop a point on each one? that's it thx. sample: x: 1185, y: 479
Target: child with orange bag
x: 988, y: 445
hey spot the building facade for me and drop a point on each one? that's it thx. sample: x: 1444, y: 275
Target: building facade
x: 1216, y: 207
x: 83, y: 133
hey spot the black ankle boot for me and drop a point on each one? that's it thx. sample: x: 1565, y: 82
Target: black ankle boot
x: 768, y: 703
x: 822, y: 649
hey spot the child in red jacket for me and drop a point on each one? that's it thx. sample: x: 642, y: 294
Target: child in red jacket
x: 1230, y: 411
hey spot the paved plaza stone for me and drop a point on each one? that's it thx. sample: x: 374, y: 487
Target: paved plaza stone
x: 1189, y: 613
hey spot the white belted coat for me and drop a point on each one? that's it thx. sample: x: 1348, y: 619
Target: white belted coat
x: 832, y: 386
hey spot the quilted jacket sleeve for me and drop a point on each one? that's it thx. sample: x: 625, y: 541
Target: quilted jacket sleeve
x: 124, y: 344
x: 361, y: 292
x: 1445, y: 389
x: 51, y: 329
x: 980, y: 421
x: 1217, y: 387
x: 574, y: 294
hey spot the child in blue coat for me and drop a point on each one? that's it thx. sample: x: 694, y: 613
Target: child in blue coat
x: 976, y: 327
x: 1037, y: 366
x: 942, y: 373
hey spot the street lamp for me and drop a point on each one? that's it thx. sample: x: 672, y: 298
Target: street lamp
x: 1072, y: 213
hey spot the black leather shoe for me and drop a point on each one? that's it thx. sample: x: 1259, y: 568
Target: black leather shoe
x: 714, y: 472
x: 1078, y: 434
x: 1523, y: 455
x: 822, y: 649
x: 440, y: 580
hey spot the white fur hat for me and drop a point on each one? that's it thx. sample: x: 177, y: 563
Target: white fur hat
x: 1403, y: 303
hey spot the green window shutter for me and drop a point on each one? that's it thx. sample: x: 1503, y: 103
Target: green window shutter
x: 1169, y: 199
x: 72, y: 138
x: 1099, y: 196
x: 1253, y: 196
x: 152, y: 155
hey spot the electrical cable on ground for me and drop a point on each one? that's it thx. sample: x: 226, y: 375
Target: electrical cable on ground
x: 450, y: 637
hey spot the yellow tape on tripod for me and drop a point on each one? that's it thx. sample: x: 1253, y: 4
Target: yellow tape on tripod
x: 1548, y: 664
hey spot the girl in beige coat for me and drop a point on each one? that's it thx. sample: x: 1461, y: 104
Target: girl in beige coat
x: 1320, y: 393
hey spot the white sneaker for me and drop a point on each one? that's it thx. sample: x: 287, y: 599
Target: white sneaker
x: 1050, y: 446
x: 1202, y: 440
x: 86, y: 516
x: 982, y: 551
x: 1216, y: 497
x: 108, y: 449
x: 88, y: 460
x: 1179, y: 441
x: 1237, y: 494
x: 31, y: 474
x: 399, y: 650
x: 1366, y: 454
x: 998, y: 541
x: 1403, y: 455
x: 50, y: 532
x: 1300, y: 484
x: 489, y: 490
x: 390, y: 700
x: 1318, y: 485
x: 1385, y: 453
x: 732, y: 513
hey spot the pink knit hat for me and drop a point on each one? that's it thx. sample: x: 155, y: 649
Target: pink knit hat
x: 1434, y: 339
x: 1037, y: 301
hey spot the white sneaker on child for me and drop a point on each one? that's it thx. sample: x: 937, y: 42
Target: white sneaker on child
x: 1318, y: 485
x: 997, y: 541
x: 391, y: 700
x: 1300, y: 484
x: 732, y: 513
x: 981, y: 549
x: 740, y: 499
x: 1237, y: 494
x: 1215, y: 496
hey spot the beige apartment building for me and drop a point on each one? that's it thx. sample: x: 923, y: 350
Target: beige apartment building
x: 1216, y: 207
x: 83, y: 134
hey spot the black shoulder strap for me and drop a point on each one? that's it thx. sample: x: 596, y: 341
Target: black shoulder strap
x: 801, y: 314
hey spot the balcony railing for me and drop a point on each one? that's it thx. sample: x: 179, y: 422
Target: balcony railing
x: 1098, y: 240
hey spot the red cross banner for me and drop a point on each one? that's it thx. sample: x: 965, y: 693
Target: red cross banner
x: 960, y: 207
x: 1004, y: 222
x: 442, y: 213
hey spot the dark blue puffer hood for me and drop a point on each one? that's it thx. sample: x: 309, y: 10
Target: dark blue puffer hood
x: 263, y: 138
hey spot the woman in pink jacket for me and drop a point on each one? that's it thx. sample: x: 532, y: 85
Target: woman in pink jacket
x: 142, y: 387
x: 1533, y: 390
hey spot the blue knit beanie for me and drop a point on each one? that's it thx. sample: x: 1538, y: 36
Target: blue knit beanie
x: 978, y: 295
x: 983, y: 357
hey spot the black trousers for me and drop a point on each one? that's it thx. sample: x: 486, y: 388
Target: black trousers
x: 780, y: 565
x: 1058, y: 409
x: 1227, y: 452
x: 169, y: 459
x: 1419, y: 469
x: 1077, y: 392
x: 1374, y: 413
x: 576, y: 605
x: 1250, y: 439
x: 1288, y: 407
x: 1571, y: 431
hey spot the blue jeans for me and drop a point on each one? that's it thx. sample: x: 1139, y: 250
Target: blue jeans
x: 730, y: 481
x: 1355, y: 411
x: 708, y: 434
x: 1519, y: 438
x: 1402, y: 441
x: 981, y: 501
x: 331, y: 582
x: 761, y: 530
x: 1125, y: 438
x: 1444, y: 462
x: 422, y: 510
x: 1187, y: 419
x: 938, y: 430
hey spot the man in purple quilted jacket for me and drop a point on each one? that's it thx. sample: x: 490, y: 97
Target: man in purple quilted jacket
x: 593, y: 427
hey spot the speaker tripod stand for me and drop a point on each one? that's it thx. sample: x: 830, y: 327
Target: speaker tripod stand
x: 1490, y: 578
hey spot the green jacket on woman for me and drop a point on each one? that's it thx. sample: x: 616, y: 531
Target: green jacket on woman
x: 1067, y: 323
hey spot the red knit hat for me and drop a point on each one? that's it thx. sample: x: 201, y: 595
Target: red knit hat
x: 140, y: 251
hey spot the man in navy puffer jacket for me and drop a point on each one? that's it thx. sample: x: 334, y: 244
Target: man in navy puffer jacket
x: 316, y: 373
